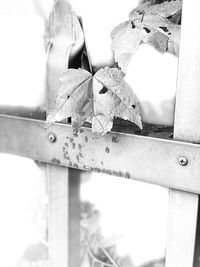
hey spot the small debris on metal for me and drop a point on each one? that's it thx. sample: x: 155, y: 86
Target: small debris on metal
x: 107, y: 150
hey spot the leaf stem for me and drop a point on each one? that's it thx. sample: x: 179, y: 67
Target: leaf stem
x: 107, y: 254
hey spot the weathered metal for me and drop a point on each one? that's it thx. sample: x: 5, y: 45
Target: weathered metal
x: 64, y: 36
x: 183, y: 207
x: 148, y: 159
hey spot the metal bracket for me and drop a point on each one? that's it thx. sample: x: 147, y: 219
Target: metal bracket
x: 147, y: 159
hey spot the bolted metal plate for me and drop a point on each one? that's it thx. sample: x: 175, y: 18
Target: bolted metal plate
x: 142, y: 158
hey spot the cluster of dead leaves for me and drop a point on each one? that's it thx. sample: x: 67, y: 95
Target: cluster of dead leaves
x: 97, y: 99
x: 101, y: 97
x: 76, y: 93
x: 157, y: 25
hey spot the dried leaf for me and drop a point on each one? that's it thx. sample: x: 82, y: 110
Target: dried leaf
x: 173, y: 45
x: 125, y: 40
x: 158, y: 41
x: 165, y: 9
x: 101, y: 125
x: 74, y: 96
x: 165, y: 27
x: 121, y: 100
x: 149, y: 24
x: 176, y: 18
x: 99, y: 98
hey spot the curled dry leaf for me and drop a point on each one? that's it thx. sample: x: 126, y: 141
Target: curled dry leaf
x: 165, y: 9
x: 120, y: 99
x: 149, y: 24
x: 125, y: 42
x: 97, y: 99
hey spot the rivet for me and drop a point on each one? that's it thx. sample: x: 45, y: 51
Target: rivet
x: 183, y: 161
x: 52, y: 138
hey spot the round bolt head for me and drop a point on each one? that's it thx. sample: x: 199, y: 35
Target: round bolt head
x: 183, y: 161
x: 52, y: 138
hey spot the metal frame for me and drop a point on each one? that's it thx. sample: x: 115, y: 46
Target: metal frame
x: 174, y: 164
x: 148, y: 159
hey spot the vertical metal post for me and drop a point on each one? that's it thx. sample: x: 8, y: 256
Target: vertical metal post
x: 64, y: 214
x: 63, y: 183
x: 184, y: 206
x: 58, y: 232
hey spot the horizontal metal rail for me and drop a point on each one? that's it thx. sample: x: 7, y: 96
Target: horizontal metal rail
x: 167, y: 163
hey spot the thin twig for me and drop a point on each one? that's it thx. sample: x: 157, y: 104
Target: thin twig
x: 107, y: 254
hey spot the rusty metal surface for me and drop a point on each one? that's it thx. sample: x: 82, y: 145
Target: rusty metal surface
x: 142, y: 158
